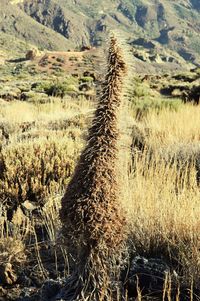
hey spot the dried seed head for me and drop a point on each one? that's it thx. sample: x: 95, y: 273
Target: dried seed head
x: 93, y: 223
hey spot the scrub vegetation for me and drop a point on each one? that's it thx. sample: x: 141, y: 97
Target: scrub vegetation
x: 78, y: 206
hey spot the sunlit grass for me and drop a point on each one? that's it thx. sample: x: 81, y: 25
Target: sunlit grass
x: 174, y: 127
x: 161, y: 203
x: 55, y: 109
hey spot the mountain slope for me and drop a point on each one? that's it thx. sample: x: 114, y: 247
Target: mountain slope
x: 16, y: 23
x: 174, y: 24
x: 61, y: 24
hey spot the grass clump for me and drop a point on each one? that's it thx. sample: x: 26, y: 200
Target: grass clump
x: 164, y: 223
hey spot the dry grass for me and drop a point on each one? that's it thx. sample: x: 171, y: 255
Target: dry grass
x: 56, y: 109
x: 163, y: 216
x: 174, y: 127
x: 162, y: 200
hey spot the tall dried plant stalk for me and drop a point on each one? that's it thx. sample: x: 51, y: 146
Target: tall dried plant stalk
x: 93, y: 224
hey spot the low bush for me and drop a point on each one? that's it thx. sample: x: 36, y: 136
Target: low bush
x: 32, y: 171
x: 142, y: 108
x: 57, y: 89
x: 86, y: 79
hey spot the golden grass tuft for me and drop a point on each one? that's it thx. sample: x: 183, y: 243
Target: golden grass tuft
x: 174, y: 127
x: 163, y: 217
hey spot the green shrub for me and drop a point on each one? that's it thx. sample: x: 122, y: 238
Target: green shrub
x: 60, y: 60
x: 143, y: 106
x: 140, y: 91
x: 56, y: 89
x: 86, y: 79
x: 73, y: 59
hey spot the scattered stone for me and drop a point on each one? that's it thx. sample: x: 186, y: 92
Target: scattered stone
x: 24, y: 294
x: 2, y: 292
x: 29, y: 209
x: 84, y: 87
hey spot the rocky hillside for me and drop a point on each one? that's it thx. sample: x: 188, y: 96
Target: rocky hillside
x: 60, y: 24
x: 16, y: 27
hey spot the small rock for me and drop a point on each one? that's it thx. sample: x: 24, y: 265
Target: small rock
x: 28, y: 294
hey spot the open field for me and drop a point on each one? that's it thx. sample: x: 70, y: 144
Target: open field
x: 38, y: 156
x: 159, y: 163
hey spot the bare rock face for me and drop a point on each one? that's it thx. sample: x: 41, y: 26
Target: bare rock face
x: 164, y: 37
x: 151, y: 14
x: 7, y: 274
x: 59, y: 18
x: 141, y: 15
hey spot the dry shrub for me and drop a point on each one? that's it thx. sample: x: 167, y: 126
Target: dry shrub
x: 93, y: 223
x: 12, y: 258
x: 12, y: 246
x: 12, y: 250
x: 32, y: 171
